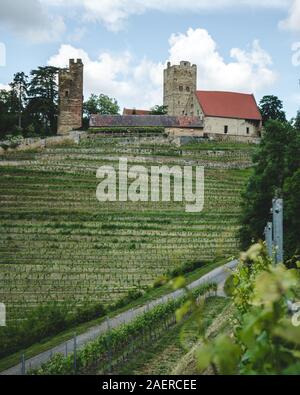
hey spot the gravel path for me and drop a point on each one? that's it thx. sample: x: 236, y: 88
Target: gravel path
x: 218, y: 276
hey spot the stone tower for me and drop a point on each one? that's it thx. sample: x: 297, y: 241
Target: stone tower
x: 70, y: 97
x: 179, y: 82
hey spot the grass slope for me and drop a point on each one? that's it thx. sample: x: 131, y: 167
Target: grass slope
x: 58, y: 243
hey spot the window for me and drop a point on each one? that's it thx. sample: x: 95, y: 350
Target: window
x: 225, y: 129
x: 248, y: 130
x: 181, y: 88
x: 66, y: 93
x: 188, y: 89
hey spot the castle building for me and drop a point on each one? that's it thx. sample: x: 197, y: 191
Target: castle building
x: 179, y: 82
x: 70, y: 97
x: 222, y: 113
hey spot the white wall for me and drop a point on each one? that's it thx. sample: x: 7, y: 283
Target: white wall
x: 236, y: 127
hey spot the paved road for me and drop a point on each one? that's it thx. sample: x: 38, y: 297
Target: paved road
x: 218, y: 276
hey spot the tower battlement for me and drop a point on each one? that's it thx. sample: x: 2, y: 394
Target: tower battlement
x: 70, y: 97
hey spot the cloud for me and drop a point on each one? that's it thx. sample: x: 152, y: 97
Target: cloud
x: 292, y: 23
x: 139, y: 83
x: 31, y: 20
x: 114, y: 13
x: 44, y: 20
x: 4, y: 87
x: 249, y: 71
x: 296, y: 54
x: 131, y: 83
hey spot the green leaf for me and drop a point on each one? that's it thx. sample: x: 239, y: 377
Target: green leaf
x: 178, y: 282
x: 183, y: 310
x: 287, y: 331
x: 204, y: 357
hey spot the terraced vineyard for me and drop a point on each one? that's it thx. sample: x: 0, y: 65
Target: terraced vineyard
x: 58, y: 243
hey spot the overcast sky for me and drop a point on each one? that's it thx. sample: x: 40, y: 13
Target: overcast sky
x: 248, y: 46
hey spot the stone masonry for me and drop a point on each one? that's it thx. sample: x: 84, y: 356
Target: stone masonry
x: 70, y: 97
x: 180, y: 81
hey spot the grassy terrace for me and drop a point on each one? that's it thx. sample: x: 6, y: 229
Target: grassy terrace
x: 58, y: 243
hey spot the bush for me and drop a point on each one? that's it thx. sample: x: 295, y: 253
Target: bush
x: 42, y: 322
x: 229, y: 286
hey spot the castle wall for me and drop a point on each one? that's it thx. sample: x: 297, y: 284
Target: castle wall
x: 179, y: 82
x: 70, y: 97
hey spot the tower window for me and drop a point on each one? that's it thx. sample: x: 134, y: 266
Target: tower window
x: 181, y: 88
x: 66, y: 93
x: 188, y: 89
x: 225, y: 129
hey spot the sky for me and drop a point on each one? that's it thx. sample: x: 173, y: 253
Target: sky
x: 250, y: 46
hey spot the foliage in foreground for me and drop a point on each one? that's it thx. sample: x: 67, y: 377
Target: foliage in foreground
x: 265, y: 340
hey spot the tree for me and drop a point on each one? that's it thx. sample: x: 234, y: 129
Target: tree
x: 43, y: 98
x: 277, y: 159
x: 101, y: 104
x: 291, y: 193
x: 272, y: 108
x: 19, y: 88
x: 8, y: 118
x: 297, y: 121
x: 159, y: 110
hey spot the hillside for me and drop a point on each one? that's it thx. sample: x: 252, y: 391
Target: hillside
x: 58, y: 243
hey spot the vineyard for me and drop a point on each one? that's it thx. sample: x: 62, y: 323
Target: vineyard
x: 58, y: 243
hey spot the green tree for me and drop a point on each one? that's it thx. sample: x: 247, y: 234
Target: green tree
x: 19, y: 88
x: 159, y: 110
x: 272, y: 108
x: 43, y: 99
x: 8, y: 118
x: 100, y: 104
x: 291, y: 194
x: 297, y: 121
x: 278, y: 157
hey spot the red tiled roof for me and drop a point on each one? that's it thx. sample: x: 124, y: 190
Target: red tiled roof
x: 228, y: 105
x: 133, y: 111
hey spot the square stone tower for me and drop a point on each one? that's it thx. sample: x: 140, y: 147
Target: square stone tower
x: 70, y: 97
x: 179, y: 82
